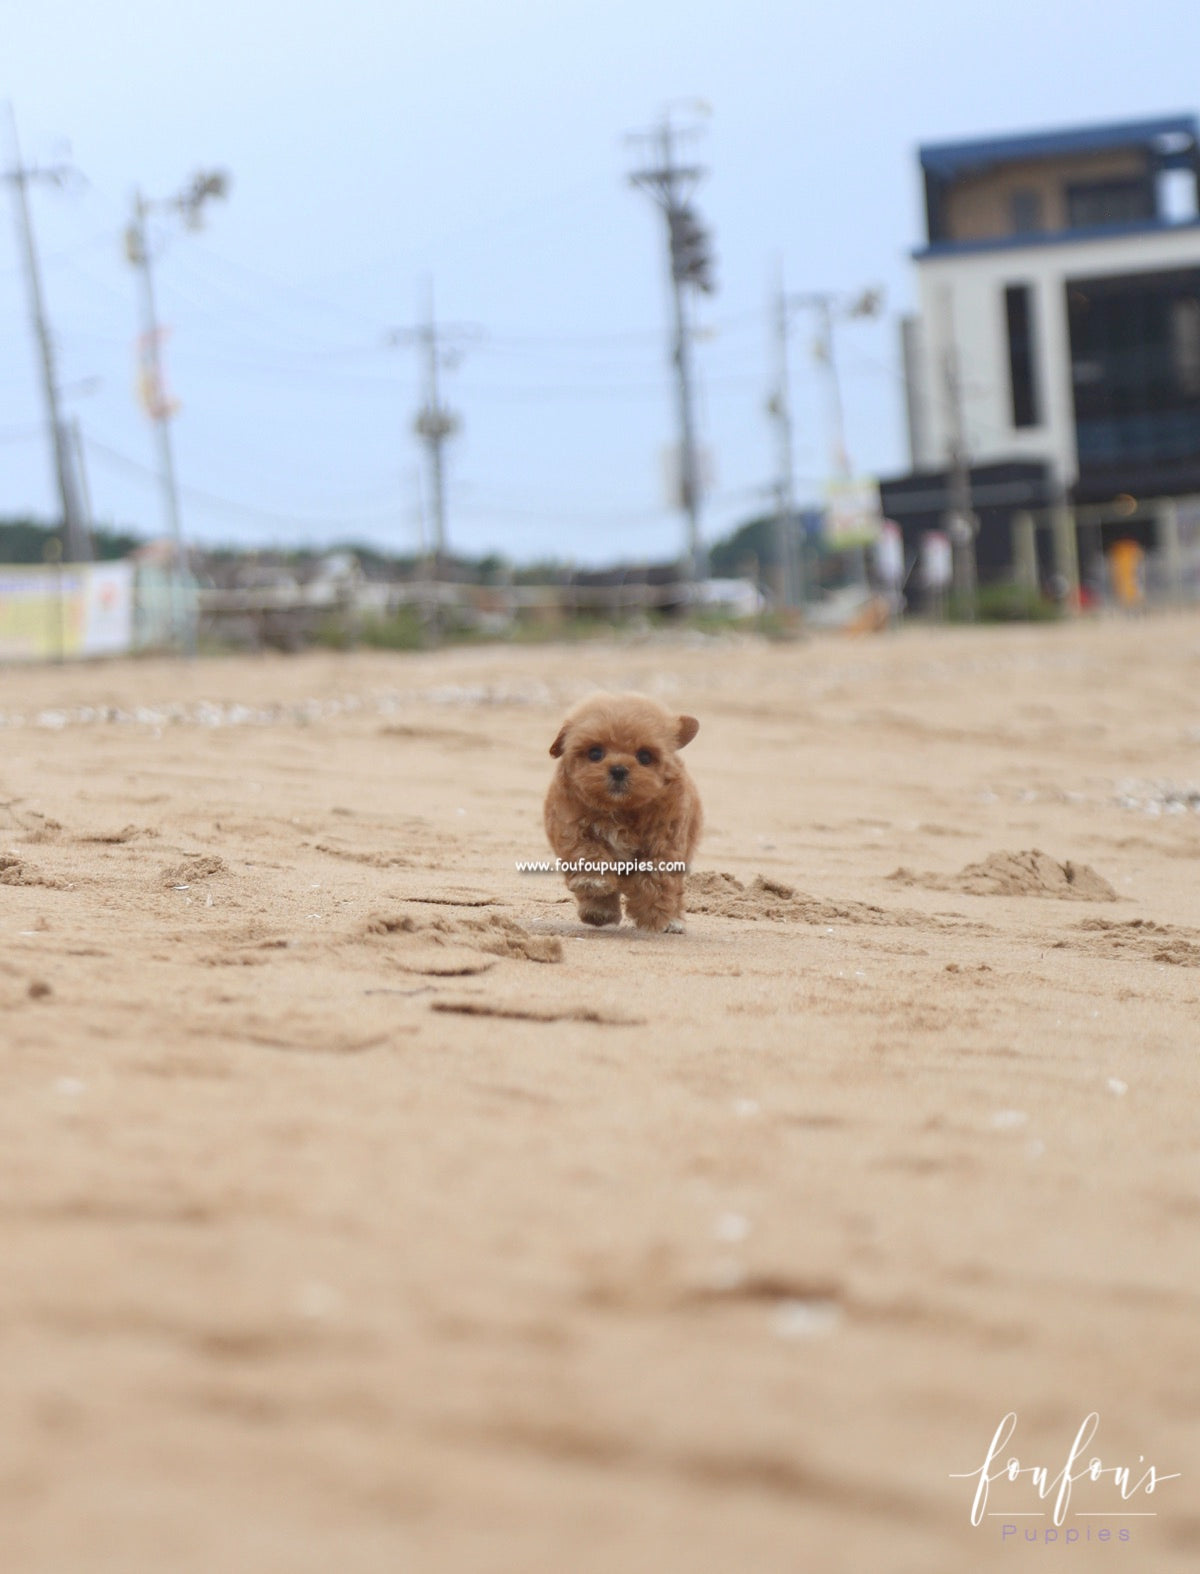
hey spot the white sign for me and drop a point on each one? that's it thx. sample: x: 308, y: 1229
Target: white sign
x: 107, y: 609
x: 937, y: 560
x: 889, y: 555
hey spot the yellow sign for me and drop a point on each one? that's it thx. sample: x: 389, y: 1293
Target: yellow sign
x: 853, y: 515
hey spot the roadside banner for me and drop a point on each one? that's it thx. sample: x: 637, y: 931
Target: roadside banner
x: 53, y: 613
x: 853, y: 515
x: 108, y: 609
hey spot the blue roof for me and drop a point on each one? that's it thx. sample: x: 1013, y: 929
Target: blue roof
x: 1172, y: 140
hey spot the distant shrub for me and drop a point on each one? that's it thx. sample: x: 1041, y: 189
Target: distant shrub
x: 1006, y: 604
x: 403, y: 629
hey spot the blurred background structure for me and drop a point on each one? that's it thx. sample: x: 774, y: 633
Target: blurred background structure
x: 1044, y: 374
x: 1053, y: 367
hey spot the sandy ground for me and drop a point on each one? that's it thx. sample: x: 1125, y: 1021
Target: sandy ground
x: 359, y: 1211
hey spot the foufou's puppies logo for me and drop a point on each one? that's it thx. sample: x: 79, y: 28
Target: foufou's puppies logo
x: 1123, y: 1484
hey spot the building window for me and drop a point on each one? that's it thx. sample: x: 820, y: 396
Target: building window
x: 1185, y: 343
x: 1018, y: 313
x: 1135, y: 363
x: 1025, y: 210
x: 1100, y: 202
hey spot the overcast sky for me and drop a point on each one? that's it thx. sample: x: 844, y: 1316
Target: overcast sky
x: 483, y: 143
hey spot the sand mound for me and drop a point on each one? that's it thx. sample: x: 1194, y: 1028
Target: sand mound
x: 15, y: 872
x: 196, y: 866
x: 1031, y: 873
x: 725, y: 896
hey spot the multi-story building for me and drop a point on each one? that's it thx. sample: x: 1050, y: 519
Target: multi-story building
x: 1058, y: 333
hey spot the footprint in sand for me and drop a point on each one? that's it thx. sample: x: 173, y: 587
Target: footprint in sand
x: 127, y: 833
x: 494, y: 935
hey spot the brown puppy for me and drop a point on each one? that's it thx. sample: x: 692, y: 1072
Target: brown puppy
x: 620, y: 806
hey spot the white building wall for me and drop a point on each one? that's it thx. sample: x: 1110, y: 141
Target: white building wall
x: 966, y: 289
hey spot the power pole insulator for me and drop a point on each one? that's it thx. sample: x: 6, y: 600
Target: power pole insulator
x: 435, y: 425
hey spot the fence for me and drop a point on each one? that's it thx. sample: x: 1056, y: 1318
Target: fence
x: 1124, y: 552
x: 288, y: 615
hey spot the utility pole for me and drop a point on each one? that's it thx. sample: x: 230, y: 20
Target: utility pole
x: 822, y: 305
x: 671, y: 186
x: 434, y: 423
x: 790, y: 575
x: 83, y: 492
x: 962, y: 523
x: 152, y: 386
x: 19, y: 177
x: 827, y: 308
x: 188, y: 204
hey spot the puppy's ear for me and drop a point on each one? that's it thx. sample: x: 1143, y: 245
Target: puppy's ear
x: 686, y: 729
x: 559, y: 743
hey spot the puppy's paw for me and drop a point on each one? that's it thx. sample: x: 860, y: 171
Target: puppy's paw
x: 656, y: 924
x: 600, y: 910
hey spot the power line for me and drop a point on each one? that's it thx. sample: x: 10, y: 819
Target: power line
x: 199, y: 495
x: 514, y: 509
x: 265, y: 299
x: 58, y: 259
x: 472, y: 232
x: 19, y: 434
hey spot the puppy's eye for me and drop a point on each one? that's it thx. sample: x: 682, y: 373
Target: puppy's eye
x: 645, y: 757
x: 595, y: 752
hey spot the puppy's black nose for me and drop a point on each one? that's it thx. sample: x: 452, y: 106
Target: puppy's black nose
x: 618, y: 772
